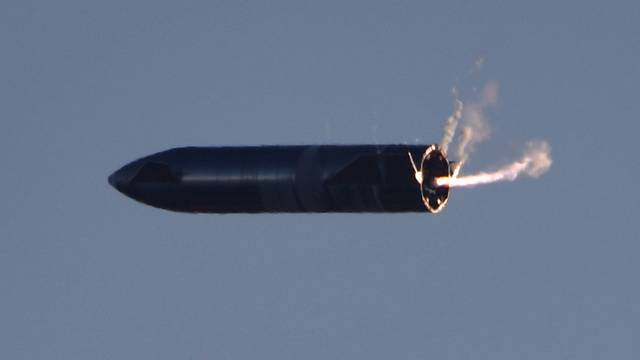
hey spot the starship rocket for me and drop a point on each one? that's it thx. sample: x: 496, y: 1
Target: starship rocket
x: 289, y: 179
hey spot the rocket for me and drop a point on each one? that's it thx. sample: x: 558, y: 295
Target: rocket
x: 289, y: 179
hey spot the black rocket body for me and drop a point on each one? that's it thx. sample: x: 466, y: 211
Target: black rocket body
x: 290, y: 179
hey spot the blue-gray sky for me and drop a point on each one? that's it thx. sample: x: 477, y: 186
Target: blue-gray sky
x: 536, y: 269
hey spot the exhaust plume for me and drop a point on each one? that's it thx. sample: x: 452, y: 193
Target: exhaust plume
x: 535, y: 162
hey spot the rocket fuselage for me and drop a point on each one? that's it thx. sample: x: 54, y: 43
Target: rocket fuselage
x: 293, y: 179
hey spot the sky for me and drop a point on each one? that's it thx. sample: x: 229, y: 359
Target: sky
x: 535, y: 269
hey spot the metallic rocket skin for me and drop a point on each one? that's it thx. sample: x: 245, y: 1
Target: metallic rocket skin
x: 291, y: 179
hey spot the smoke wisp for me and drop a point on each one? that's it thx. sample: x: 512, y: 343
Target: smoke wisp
x: 452, y: 122
x: 475, y: 126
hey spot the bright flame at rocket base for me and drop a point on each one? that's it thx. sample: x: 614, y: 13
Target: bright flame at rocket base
x: 535, y: 162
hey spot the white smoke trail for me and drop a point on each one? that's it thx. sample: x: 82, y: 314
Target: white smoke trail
x: 535, y: 162
x: 476, y: 129
x: 452, y: 122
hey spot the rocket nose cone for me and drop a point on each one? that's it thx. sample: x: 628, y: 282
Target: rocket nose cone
x: 121, y: 179
x: 118, y: 181
x: 138, y: 177
x: 112, y: 180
